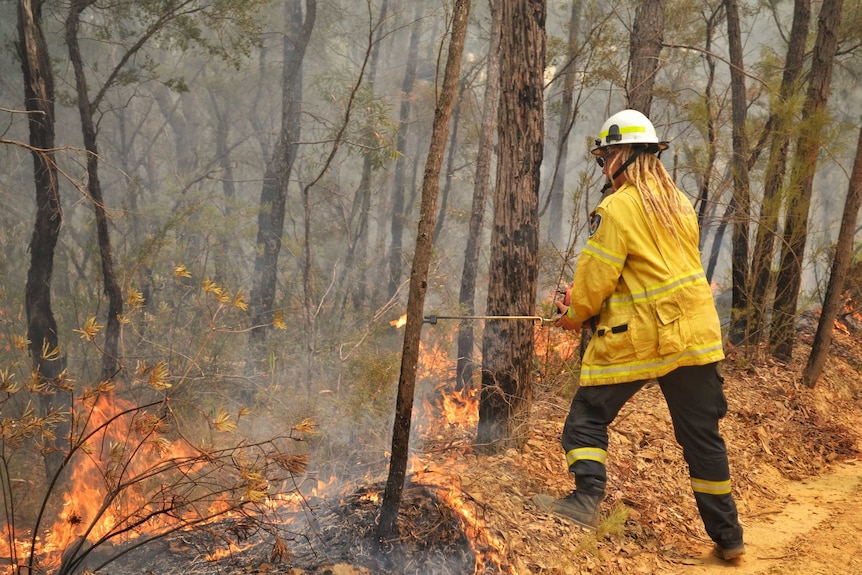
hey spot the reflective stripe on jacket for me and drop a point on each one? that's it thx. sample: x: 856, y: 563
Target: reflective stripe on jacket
x: 648, y: 288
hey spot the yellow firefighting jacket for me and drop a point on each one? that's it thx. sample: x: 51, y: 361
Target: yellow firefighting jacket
x: 647, y: 286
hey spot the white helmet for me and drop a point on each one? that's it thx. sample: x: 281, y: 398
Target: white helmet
x: 628, y: 127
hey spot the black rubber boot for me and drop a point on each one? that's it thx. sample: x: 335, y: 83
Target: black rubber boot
x: 580, y: 507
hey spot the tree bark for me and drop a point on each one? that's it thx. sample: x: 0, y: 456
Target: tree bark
x: 273, y: 195
x: 780, y: 124
x: 814, y: 117
x: 419, y: 278
x: 467, y: 293
x: 843, y: 256
x: 41, y: 325
x: 740, y: 201
x: 508, y: 346
x: 110, y: 351
x: 645, y: 49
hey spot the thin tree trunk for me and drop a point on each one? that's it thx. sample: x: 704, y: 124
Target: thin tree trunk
x: 645, y: 49
x: 110, y: 351
x: 814, y: 116
x: 386, y: 529
x: 566, y: 123
x: 467, y: 293
x: 740, y: 200
x: 273, y: 196
x: 780, y: 126
x: 41, y: 325
x: 450, y: 162
x: 508, y: 346
x: 399, y: 186
x: 357, y: 223
x: 843, y: 257
x: 711, y: 131
x: 717, y: 240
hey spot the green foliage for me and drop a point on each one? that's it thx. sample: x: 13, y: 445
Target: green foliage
x: 372, y: 129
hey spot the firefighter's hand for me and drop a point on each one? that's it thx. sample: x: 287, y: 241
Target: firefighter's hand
x: 567, y: 298
x: 565, y: 321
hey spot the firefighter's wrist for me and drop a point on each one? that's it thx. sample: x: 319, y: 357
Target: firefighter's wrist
x: 567, y: 320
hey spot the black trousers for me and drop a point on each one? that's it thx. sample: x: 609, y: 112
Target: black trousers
x: 696, y: 401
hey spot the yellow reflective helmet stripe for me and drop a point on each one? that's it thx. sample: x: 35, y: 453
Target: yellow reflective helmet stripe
x: 586, y: 454
x: 710, y: 487
x: 624, y: 130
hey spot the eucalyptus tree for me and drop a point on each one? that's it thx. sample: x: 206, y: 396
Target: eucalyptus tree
x: 565, y: 123
x: 481, y: 184
x: 645, y: 52
x: 841, y: 264
x: 42, y: 337
x: 357, y: 219
x: 399, y: 185
x: 137, y: 27
x: 386, y: 527
x: 815, y: 116
x: 740, y: 203
x: 273, y: 195
x: 508, y: 346
x: 784, y: 108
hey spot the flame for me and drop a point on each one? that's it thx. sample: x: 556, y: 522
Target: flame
x: 126, y: 444
x: 232, y: 549
x: 107, y: 460
x: 489, y: 549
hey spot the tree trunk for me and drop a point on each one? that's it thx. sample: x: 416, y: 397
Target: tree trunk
x: 645, y: 49
x: 780, y: 124
x: 41, y: 325
x: 357, y: 224
x: 450, y: 162
x: 398, y: 188
x: 567, y: 117
x: 711, y: 130
x: 740, y: 201
x: 273, y: 195
x: 814, y: 117
x: 110, y: 351
x: 843, y: 255
x: 508, y: 346
x: 419, y: 278
x: 467, y: 294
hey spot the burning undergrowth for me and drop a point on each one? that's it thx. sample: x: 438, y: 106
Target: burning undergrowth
x: 324, y: 532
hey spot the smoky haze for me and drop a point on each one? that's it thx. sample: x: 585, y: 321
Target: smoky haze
x: 189, y: 131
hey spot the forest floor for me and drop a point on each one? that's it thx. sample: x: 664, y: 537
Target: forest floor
x: 796, y: 467
x: 796, y: 462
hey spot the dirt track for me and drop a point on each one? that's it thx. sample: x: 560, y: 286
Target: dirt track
x: 815, y: 528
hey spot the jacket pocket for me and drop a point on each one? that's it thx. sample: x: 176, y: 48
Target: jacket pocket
x: 671, y: 325
x: 614, y: 342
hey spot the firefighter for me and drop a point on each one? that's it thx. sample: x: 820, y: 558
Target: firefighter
x: 640, y: 283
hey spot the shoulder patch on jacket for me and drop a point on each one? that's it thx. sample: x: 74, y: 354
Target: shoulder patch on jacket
x: 595, y: 222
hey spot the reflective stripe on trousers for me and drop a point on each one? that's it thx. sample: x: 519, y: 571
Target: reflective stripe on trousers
x: 696, y: 402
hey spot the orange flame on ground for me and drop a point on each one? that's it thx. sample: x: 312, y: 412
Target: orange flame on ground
x: 488, y: 549
x: 400, y: 322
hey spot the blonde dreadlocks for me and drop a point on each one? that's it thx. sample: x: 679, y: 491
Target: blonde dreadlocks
x: 669, y: 212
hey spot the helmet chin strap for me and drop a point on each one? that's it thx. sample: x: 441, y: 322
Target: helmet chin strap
x: 609, y: 184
